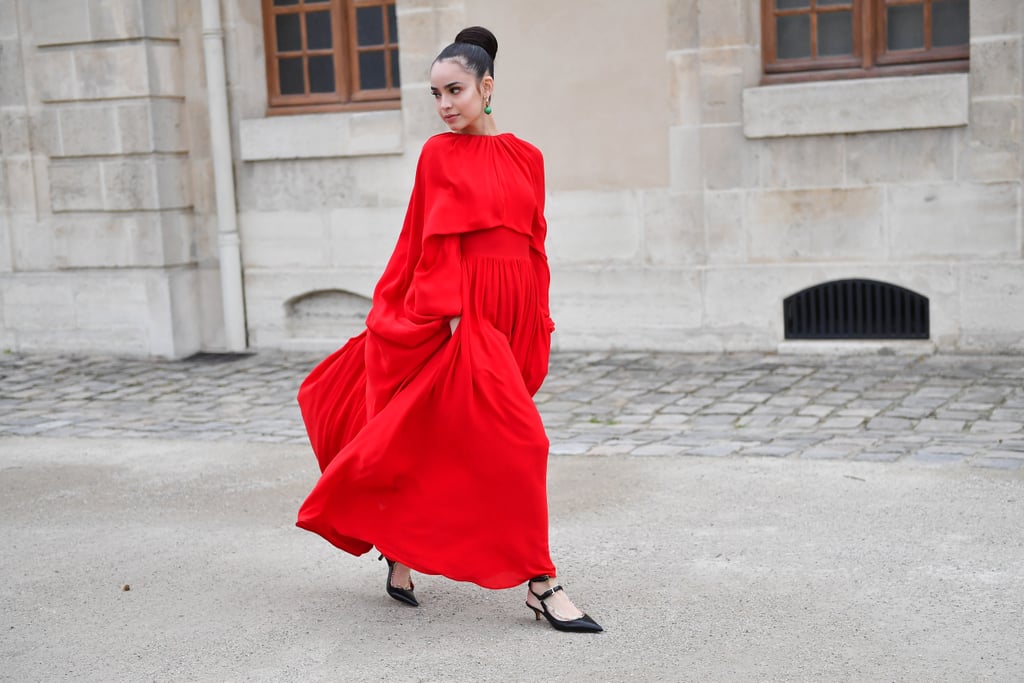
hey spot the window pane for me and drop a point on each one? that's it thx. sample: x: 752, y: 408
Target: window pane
x: 793, y: 35
x: 835, y: 33
x: 318, y: 30
x: 950, y: 23
x: 395, y: 80
x: 823, y: 3
x: 393, y: 23
x: 372, y: 70
x: 290, y: 76
x: 311, y: 2
x: 792, y: 4
x: 285, y: 3
x: 905, y: 27
x: 369, y: 26
x: 289, y: 35
x: 321, y: 73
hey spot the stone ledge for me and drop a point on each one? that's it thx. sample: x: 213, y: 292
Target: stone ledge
x: 313, y: 136
x: 856, y: 106
x: 851, y: 347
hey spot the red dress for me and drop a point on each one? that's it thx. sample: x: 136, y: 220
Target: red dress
x: 430, y: 445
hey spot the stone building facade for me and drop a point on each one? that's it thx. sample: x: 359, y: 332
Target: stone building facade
x: 686, y: 199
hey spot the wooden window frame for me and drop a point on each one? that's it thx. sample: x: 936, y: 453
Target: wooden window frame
x: 870, y: 57
x: 345, y: 50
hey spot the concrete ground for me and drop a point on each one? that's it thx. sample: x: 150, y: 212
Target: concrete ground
x: 775, y: 551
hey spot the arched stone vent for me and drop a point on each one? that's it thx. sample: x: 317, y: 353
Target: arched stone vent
x: 856, y: 309
x: 326, y: 314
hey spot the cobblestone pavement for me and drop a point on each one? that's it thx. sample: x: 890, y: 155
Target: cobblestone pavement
x: 942, y: 409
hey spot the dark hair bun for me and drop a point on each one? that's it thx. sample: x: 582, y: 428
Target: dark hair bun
x: 478, y: 35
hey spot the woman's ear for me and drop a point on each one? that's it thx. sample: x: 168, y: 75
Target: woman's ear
x: 487, y: 86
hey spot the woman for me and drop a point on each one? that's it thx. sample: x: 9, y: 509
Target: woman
x: 424, y: 425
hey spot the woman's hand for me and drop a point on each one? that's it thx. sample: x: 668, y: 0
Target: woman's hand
x: 454, y: 322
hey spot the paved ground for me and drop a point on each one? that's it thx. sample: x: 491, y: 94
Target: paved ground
x: 727, y: 518
x: 934, y: 409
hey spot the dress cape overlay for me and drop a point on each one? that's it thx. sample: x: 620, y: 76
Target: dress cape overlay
x: 429, y: 443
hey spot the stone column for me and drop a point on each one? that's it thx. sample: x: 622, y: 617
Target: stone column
x: 990, y: 159
x: 17, y: 179
x: 102, y: 253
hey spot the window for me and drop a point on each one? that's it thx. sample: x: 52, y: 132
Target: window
x: 818, y: 39
x: 331, y: 55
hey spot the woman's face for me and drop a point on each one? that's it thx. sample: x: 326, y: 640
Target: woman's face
x: 460, y: 98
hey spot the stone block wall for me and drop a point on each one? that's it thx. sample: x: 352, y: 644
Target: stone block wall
x: 685, y: 200
x: 914, y: 181
x: 726, y: 198
x: 99, y: 229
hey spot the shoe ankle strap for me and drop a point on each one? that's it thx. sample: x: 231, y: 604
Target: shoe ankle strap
x: 546, y: 594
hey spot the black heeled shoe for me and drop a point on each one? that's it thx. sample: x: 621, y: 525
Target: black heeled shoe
x: 583, y: 624
x: 404, y: 595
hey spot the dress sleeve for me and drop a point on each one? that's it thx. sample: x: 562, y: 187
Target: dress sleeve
x: 436, y: 289
x: 419, y: 290
x: 538, y: 255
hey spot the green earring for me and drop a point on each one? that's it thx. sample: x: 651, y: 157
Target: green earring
x: 487, y: 107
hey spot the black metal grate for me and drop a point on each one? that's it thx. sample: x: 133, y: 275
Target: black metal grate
x: 856, y: 309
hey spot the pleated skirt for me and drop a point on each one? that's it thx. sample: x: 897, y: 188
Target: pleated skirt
x: 449, y: 477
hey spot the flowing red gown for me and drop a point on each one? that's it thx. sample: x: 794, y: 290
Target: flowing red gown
x: 429, y: 443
